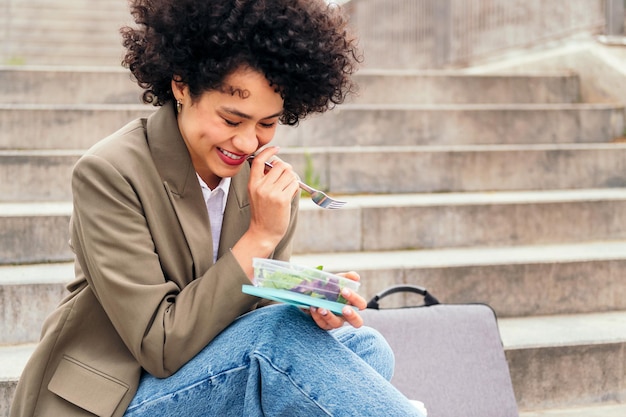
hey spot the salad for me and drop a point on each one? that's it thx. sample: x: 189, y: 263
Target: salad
x: 313, y: 282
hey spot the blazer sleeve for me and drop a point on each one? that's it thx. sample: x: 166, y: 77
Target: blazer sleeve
x: 164, y: 321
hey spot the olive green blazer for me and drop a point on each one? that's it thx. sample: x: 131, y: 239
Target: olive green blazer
x: 146, y: 293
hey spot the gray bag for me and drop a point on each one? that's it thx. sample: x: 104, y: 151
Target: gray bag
x: 449, y: 356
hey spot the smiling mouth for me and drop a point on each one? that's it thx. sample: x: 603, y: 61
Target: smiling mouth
x: 231, y: 155
x: 230, y: 158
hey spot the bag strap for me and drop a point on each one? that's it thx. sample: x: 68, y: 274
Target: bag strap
x: 429, y: 300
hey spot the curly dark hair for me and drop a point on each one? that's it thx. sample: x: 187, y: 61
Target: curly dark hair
x: 303, y: 47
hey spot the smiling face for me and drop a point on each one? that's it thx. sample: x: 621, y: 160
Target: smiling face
x: 222, y: 128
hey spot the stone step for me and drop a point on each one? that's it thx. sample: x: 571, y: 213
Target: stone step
x: 28, y: 294
x: 66, y: 33
x: 36, y: 175
x: 456, y: 86
x: 516, y: 281
x: 44, y: 175
x: 76, y: 85
x: 12, y: 362
x: 67, y: 5
x: 405, y: 169
x: 41, y: 56
x: 34, y: 232
x: 66, y: 18
x: 458, y: 124
x: 610, y: 410
x: 68, y: 85
x: 50, y: 53
x: 38, y: 232
x: 566, y: 360
x: 93, y: 56
x: 65, y: 27
x: 50, y: 126
x: 578, y: 360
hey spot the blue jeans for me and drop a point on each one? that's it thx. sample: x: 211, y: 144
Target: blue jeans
x: 275, y: 361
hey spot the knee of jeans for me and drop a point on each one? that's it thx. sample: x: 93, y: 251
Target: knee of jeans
x: 370, y: 345
x: 282, y: 320
x: 280, y: 314
x: 282, y: 330
x: 376, y: 351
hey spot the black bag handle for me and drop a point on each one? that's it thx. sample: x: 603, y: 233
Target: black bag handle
x: 429, y: 300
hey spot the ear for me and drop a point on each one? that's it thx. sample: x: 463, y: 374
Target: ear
x: 179, y: 89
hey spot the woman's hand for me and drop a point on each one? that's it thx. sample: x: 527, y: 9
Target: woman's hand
x: 271, y: 192
x: 328, y: 321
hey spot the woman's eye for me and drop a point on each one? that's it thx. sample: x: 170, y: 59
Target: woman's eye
x: 231, y: 123
x: 268, y: 125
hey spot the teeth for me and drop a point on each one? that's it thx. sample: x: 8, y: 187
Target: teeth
x: 230, y: 154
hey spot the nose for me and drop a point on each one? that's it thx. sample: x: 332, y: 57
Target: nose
x: 246, y: 140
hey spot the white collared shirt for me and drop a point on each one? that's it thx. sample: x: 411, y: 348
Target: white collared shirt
x: 215, y: 201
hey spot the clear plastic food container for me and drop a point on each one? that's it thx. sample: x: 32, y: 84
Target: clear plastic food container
x: 314, y: 282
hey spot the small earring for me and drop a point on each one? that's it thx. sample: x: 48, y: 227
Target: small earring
x: 179, y: 106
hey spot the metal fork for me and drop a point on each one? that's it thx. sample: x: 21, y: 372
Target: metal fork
x: 319, y: 197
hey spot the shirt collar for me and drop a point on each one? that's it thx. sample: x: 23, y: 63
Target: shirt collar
x: 223, y: 185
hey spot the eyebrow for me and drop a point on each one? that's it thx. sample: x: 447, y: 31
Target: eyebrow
x: 237, y: 113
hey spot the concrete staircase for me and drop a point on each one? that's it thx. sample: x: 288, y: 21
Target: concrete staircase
x: 482, y: 188
x: 62, y: 32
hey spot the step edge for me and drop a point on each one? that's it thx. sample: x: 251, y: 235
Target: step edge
x: 465, y: 257
x: 563, y: 330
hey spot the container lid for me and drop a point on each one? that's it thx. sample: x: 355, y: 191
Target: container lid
x: 293, y: 298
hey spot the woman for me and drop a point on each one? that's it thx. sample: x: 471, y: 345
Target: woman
x: 168, y: 215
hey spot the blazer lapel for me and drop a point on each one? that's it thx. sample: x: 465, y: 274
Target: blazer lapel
x: 173, y: 162
x: 237, y: 214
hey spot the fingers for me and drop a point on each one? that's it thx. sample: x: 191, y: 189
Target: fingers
x: 353, y: 275
x: 282, y: 176
x: 325, y: 319
x: 352, y: 317
x: 354, y: 298
x: 328, y: 321
x: 279, y: 176
x: 258, y: 167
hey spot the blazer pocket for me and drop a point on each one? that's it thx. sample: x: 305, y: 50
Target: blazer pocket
x: 87, y: 387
